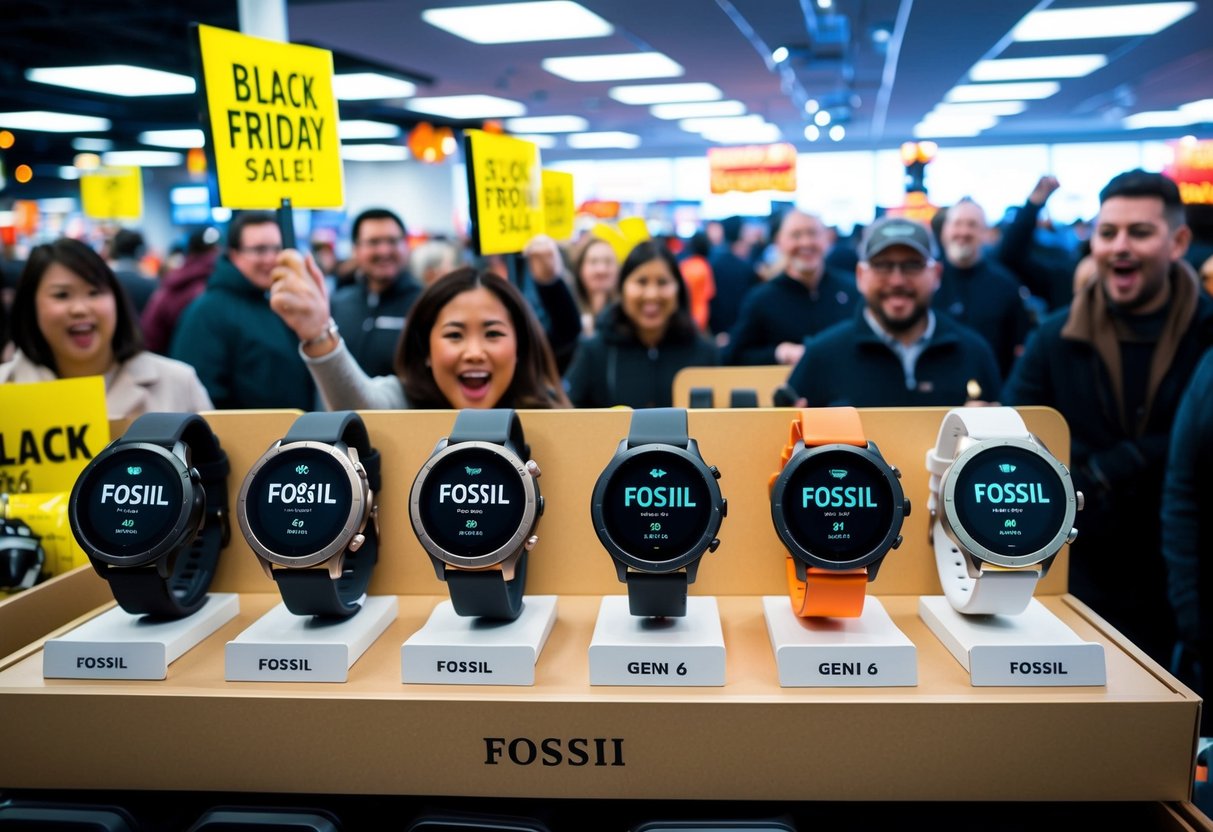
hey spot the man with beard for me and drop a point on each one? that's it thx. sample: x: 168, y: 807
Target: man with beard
x: 371, y: 312
x: 896, y: 352
x: 1115, y: 364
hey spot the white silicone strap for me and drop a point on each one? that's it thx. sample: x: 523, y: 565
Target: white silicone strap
x: 996, y: 591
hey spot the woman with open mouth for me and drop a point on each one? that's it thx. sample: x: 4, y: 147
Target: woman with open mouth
x: 71, y: 318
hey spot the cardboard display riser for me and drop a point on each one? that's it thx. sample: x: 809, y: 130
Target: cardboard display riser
x: 1133, y: 739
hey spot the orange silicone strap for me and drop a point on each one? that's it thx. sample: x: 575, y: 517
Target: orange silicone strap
x: 825, y: 592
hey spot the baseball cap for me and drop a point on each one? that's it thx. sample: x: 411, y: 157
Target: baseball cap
x: 897, y: 231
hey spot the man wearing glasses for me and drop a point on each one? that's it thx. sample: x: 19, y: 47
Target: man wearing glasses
x: 371, y: 312
x: 896, y: 352
x: 244, y: 354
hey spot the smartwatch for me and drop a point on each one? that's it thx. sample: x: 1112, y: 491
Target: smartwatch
x: 475, y: 505
x: 838, y: 507
x: 657, y: 508
x: 308, y: 511
x: 150, y: 511
x: 1001, y: 507
x: 21, y: 556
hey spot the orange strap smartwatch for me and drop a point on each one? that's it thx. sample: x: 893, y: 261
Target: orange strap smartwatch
x: 838, y: 508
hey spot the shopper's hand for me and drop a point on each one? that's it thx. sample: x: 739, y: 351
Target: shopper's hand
x: 543, y: 259
x: 788, y: 353
x: 299, y: 295
x: 1043, y: 190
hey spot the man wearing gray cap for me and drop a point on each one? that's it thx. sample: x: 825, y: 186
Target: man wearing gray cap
x: 897, y: 352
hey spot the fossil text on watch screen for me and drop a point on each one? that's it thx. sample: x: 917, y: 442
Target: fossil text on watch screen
x: 657, y: 506
x: 130, y: 501
x: 838, y: 505
x: 299, y: 502
x: 1010, y: 500
x: 472, y: 502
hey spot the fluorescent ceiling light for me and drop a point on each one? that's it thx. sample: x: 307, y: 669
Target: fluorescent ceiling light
x: 45, y: 121
x: 547, y: 124
x: 610, y: 138
x: 114, y: 79
x: 665, y: 93
x: 981, y: 108
x: 541, y: 140
x: 699, y: 125
x: 186, y: 195
x: 467, y: 106
x: 1200, y: 110
x: 708, y: 109
x: 924, y: 130
x: 68, y: 172
x: 371, y: 86
x: 1025, y: 91
x: 174, y: 138
x: 143, y: 158
x: 374, y: 152
x: 978, y: 122
x: 1027, y: 69
x: 743, y: 134
x: 1159, y: 118
x: 362, y: 129
x: 1100, y: 21
x: 95, y: 145
x: 520, y: 22
x: 613, y: 67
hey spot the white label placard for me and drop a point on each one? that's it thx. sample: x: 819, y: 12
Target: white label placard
x: 284, y: 647
x: 658, y: 652
x: 868, y: 651
x: 456, y: 650
x: 118, y: 645
x: 1032, y: 649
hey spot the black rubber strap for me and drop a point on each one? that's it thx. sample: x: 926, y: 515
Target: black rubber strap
x: 141, y: 590
x: 485, y: 593
x: 312, y: 591
x: 657, y: 594
x: 659, y: 426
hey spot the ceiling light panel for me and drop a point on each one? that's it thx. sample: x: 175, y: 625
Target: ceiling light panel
x: 467, y: 106
x: 699, y: 125
x: 543, y: 141
x: 44, y: 121
x: 706, y: 109
x: 520, y: 22
x: 374, y: 152
x: 1024, y: 91
x: 1029, y: 69
x: 363, y: 129
x: 1100, y: 21
x: 624, y: 67
x: 95, y: 145
x: 114, y: 79
x: 981, y: 108
x: 547, y: 124
x: 743, y: 134
x: 173, y: 138
x: 1159, y: 118
x: 371, y: 86
x: 143, y: 158
x: 666, y: 93
x: 610, y: 138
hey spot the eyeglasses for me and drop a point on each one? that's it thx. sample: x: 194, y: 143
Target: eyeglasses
x: 262, y: 251
x: 910, y: 268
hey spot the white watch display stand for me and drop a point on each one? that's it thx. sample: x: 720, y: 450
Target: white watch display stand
x: 658, y: 652
x: 459, y: 650
x: 119, y: 645
x: 1032, y: 649
x: 283, y: 647
x: 868, y: 651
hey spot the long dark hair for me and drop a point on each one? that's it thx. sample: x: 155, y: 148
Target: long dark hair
x: 85, y: 263
x: 681, y: 328
x: 536, y: 382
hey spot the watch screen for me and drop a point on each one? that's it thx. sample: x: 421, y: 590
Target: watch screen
x: 129, y: 502
x: 838, y: 506
x: 1010, y: 500
x: 299, y: 502
x: 472, y: 502
x: 656, y: 506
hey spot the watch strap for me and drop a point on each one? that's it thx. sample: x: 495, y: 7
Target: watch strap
x: 143, y: 590
x: 313, y: 591
x: 659, y: 426
x: 660, y: 594
x: 501, y: 426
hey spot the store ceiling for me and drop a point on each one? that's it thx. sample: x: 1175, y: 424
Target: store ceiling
x: 878, y: 93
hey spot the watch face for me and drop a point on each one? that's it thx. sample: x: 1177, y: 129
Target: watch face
x: 656, y: 506
x: 472, y: 502
x: 299, y: 502
x: 1011, y: 501
x: 129, y: 502
x: 838, y: 506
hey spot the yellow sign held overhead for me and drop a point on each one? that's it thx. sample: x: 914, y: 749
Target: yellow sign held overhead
x: 49, y: 431
x: 505, y: 182
x: 272, y: 121
x: 112, y: 193
x: 558, y: 204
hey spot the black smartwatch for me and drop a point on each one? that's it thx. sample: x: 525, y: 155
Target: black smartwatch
x: 657, y: 509
x: 21, y: 556
x: 475, y: 505
x: 308, y: 511
x: 150, y: 511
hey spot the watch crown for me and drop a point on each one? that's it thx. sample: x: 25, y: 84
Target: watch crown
x: 541, y: 505
x: 724, y: 508
x: 714, y: 545
x: 896, y: 472
x: 1073, y: 534
x: 898, y: 541
x: 532, y: 468
x: 906, y: 510
x: 1082, y: 501
x: 531, y: 542
x: 715, y: 471
x: 356, y: 542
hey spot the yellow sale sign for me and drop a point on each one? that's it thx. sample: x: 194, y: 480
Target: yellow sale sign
x: 272, y: 120
x: 49, y: 431
x: 506, y: 186
x: 112, y: 193
x: 558, y: 204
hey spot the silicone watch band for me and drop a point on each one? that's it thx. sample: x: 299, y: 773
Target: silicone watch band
x: 485, y: 593
x: 836, y: 593
x: 997, y: 590
x: 658, y: 593
x: 312, y: 591
x: 141, y: 590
